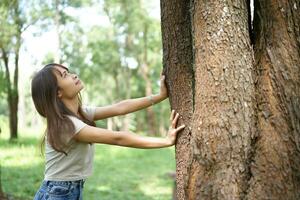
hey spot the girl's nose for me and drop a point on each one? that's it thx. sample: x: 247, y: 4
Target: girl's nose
x: 74, y: 76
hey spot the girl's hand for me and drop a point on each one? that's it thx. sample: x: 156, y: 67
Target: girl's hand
x: 172, y: 133
x: 163, y: 89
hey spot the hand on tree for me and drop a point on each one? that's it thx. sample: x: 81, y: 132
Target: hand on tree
x: 163, y: 89
x: 172, y: 133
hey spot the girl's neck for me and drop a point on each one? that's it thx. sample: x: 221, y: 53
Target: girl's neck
x: 72, y: 104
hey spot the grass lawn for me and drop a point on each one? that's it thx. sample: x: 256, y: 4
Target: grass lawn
x: 119, y: 173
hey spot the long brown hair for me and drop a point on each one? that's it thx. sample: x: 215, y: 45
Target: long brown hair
x: 44, y: 90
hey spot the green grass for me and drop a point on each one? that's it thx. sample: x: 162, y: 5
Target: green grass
x: 119, y: 173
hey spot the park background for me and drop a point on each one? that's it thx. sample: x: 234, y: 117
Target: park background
x: 115, y: 47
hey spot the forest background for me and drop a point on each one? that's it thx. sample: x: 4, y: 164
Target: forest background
x: 115, y: 47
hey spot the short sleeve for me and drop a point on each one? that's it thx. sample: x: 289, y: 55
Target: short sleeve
x: 78, y: 124
x: 89, y: 111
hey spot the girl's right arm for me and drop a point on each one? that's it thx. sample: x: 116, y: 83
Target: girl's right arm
x: 131, y: 105
x: 92, y: 134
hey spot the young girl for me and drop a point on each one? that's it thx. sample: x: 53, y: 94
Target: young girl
x: 71, y: 130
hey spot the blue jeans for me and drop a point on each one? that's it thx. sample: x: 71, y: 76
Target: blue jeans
x: 60, y: 190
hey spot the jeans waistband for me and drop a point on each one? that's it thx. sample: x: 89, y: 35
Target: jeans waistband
x: 75, y: 183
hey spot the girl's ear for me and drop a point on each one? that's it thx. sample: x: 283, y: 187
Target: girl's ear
x: 59, y: 93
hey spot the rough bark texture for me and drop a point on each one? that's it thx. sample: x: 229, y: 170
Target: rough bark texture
x: 245, y: 115
x: 177, y: 62
x: 224, y: 116
x: 276, y: 165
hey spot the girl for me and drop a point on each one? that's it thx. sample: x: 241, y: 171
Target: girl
x: 71, y: 130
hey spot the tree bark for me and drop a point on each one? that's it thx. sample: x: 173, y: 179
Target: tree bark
x: 178, y: 68
x: 224, y: 115
x: 276, y: 166
x: 243, y: 117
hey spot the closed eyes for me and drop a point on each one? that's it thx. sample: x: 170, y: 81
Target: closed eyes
x: 66, y: 73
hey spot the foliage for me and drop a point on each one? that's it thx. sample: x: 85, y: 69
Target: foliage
x: 109, y: 57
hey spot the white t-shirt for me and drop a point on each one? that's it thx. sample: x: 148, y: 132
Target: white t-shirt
x: 78, y: 163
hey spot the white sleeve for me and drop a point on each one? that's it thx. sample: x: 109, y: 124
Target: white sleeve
x: 89, y: 111
x: 78, y: 124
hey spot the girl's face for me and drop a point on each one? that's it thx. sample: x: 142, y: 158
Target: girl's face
x: 69, y: 84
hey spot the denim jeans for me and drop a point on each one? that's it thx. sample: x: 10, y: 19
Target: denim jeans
x: 60, y: 190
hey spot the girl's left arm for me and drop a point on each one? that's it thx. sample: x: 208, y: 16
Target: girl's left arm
x: 131, y: 105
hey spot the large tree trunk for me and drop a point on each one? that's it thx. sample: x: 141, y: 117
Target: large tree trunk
x: 178, y: 68
x: 224, y: 117
x: 243, y: 122
x: 276, y: 165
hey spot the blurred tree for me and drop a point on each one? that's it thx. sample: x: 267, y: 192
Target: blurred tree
x: 15, y: 18
x: 134, y: 30
x: 109, y: 58
x: 61, y: 19
x: 55, y: 17
x: 12, y: 25
x: 2, y: 195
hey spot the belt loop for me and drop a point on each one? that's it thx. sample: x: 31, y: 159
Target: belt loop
x: 47, y: 182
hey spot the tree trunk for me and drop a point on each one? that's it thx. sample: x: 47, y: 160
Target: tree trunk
x: 223, y: 121
x: 178, y: 68
x: 276, y: 165
x: 12, y: 96
x: 126, y: 92
x: 13, y: 115
x: 57, y: 55
x: 12, y: 87
x: 145, y: 74
x: 236, y: 111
